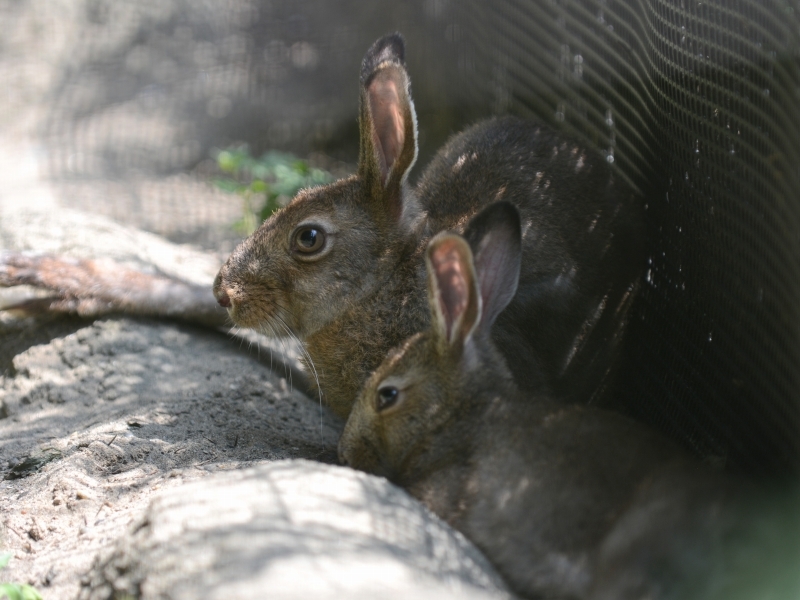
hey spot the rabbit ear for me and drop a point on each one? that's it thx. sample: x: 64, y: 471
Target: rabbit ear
x: 452, y: 289
x: 494, y: 236
x: 387, y: 123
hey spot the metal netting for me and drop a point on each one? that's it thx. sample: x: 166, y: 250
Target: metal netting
x: 698, y: 104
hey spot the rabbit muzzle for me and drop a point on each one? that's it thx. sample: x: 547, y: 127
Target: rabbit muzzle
x: 220, y: 293
x: 240, y: 299
x: 360, y: 452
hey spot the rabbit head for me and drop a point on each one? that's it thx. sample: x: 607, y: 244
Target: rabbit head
x: 425, y: 390
x: 333, y: 244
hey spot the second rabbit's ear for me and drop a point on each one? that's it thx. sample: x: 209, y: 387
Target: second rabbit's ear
x: 495, y: 238
x: 387, y: 124
x: 452, y: 289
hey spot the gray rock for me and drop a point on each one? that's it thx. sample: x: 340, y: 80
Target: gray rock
x: 291, y: 529
x: 94, y: 423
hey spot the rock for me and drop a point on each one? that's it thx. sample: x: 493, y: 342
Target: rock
x: 92, y: 425
x: 291, y: 529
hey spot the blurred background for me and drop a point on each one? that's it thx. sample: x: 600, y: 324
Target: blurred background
x: 159, y: 113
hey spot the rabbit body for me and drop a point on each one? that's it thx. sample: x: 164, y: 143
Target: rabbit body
x: 552, y: 493
x: 539, y: 487
x: 568, y: 501
x: 360, y: 291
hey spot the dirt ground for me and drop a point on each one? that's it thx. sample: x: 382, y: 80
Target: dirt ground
x: 100, y: 419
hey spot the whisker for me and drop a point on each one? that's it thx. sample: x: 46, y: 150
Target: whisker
x: 310, y: 363
x: 276, y: 328
x: 285, y: 309
x: 280, y: 336
x: 289, y: 333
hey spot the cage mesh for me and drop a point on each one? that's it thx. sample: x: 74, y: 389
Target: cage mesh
x: 697, y: 105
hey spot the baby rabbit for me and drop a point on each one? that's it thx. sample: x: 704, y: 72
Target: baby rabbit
x: 553, y: 494
x: 341, y: 267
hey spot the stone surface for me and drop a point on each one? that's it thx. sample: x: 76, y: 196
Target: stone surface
x: 291, y: 529
x: 93, y: 423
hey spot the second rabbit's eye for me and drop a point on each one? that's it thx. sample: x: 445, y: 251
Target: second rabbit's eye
x: 309, y: 239
x: 387, y: 396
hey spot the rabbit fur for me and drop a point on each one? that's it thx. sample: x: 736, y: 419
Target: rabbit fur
x: 567, y: 501
x: 341, y: 266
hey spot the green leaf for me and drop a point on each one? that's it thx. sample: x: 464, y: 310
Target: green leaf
x: 261, y: 171
x: 258, y: 186
x: 277, y: 175
x: 4, y: 559
x: 227, y: 161
x: 301, y: 166
x: 318, y: 177
x: 19, y: 592
x: 10, y: 591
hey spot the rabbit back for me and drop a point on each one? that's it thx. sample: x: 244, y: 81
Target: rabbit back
x: 581, y: 246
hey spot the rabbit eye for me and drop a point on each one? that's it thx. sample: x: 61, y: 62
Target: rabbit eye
x: 309, y: 239
x: 387, y: 396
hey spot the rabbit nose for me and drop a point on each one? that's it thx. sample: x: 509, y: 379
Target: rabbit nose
x: 220, y: 293
x: 223, y: 299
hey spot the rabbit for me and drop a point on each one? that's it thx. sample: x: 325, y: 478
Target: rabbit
x: 341, y: 266
x: 555, y: 495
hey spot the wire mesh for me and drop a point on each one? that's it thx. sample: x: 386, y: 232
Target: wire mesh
x: 694, y: 102
x: 697, y: 105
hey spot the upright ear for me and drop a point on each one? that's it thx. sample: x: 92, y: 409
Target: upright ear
x: 387, y: 123
x: 495, y: 238
x: 452, y: 289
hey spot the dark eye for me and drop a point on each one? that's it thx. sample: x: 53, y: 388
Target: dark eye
x: 387, y: 396
x: 309, y: 239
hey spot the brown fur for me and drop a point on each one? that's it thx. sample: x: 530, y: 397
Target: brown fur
x: 566, y: 501
x: 365, y: 291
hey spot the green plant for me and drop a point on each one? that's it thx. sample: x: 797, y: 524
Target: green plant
x: 266, y: 183
x: 15, y: 591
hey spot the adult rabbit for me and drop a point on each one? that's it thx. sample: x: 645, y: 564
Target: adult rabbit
x: 566, y: 501
x: 341, y: 266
